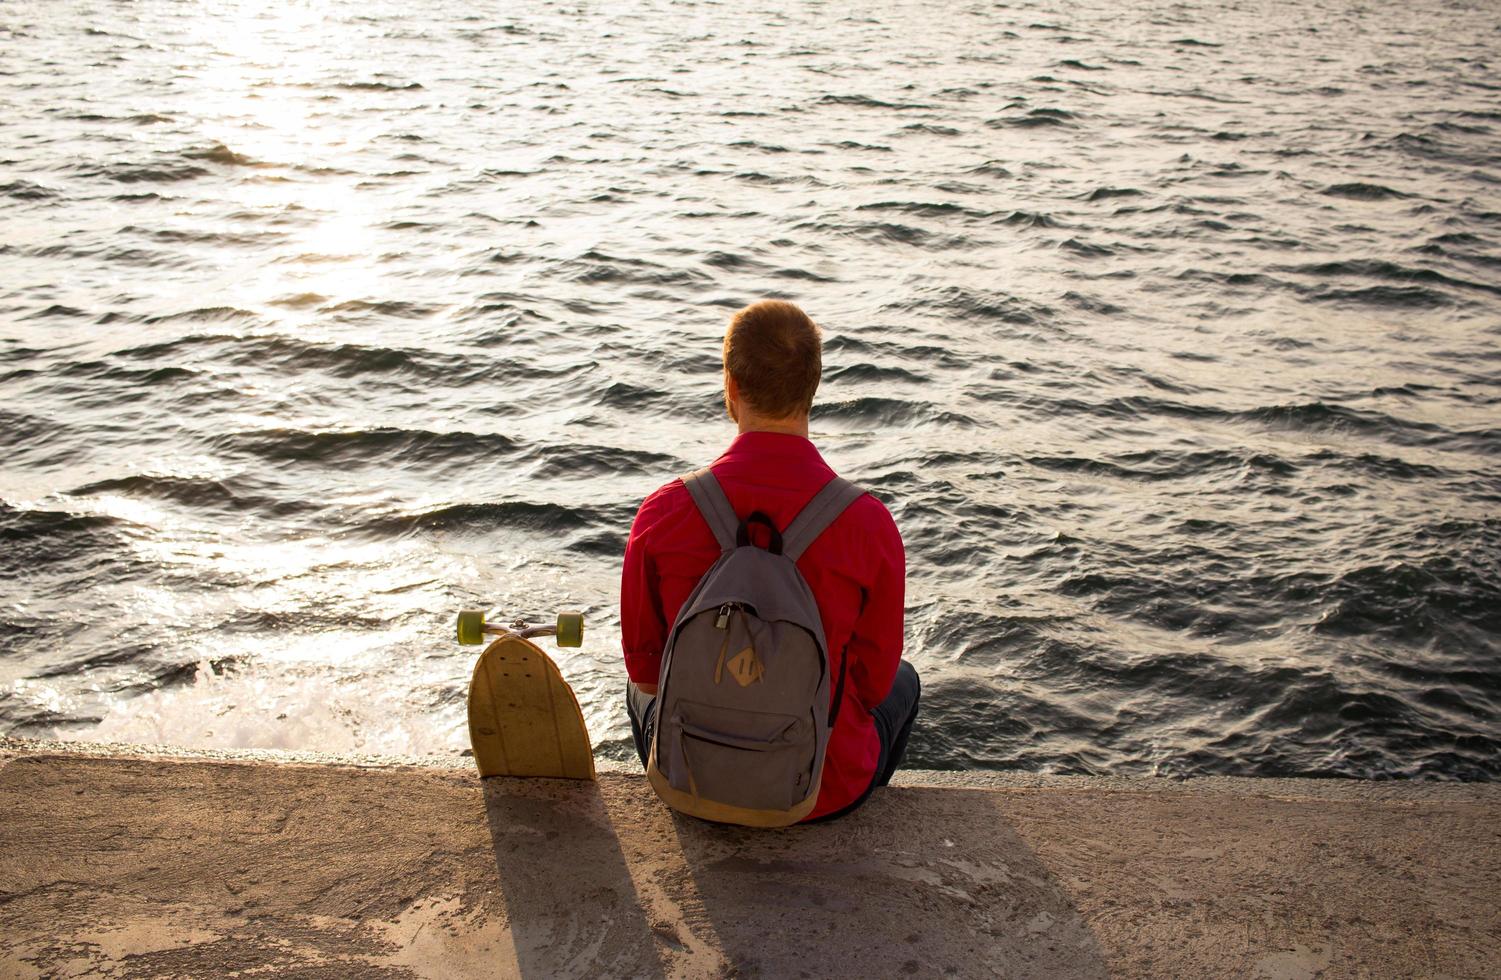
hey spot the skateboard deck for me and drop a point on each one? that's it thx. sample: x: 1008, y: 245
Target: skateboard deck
x: 523, y: 717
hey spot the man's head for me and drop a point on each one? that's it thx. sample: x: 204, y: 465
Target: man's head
x: 772, y: 361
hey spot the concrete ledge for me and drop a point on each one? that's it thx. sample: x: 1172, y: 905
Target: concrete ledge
x: 132, y: 862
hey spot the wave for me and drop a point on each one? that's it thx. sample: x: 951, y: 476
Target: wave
x: 757, y: 177
x: 134, y: 378
x: 587, y: 461
x: 1092, y: 304
x: 368, y: 447
x: 1086, y: 249
x: 1030, y: 219
x: 57, y: 311
x: 889, y: 233
x: 855, y: 145
x: 1311, y: 417
x: 926, y: 354
x: 1376, y: 465
x: 930, y: 129
x: 805, y: 274
x: 983, y: 304
x: 60, y: 552
x: 1389, y: 271
x: 25, y: 190
x: 227, y: 495
x: 624, y: 396
x: 20, y: 526
x: 1441, y: 599
x: 1196, y: 93
x: 1152, y: 466
x: 597, y: 267
x: 1389, y: 297
x: 145, y: 198
x: 204, y: 314
x: 990, y: 168
x: 376, y: 86
x: 883, y: 412
x: 1357, y: 191
x: 398, y: 309
x: 510, y: 515
x: 219, y: 153
x: 927, y: 209
x: 1325, y: 417
x: 271, y: 351
x: 21, y: 428
x: 155, y: 174
x: 1034, y: 118
x: 866, y: 102
x: 1401, y: 297
x: 1448, y: 578
x: 28, y: 718
x: 873, y: 373
x: 179, y: 236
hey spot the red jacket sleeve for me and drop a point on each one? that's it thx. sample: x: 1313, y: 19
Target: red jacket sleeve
x: 643, y: 633
x: 875, y: 647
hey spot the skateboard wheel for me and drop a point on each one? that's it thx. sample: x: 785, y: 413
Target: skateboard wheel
x: 471, y: 627
x: 570, y: 629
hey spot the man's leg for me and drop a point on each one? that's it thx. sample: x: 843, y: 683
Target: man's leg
x: 894, y: 718
x: 641, y: 708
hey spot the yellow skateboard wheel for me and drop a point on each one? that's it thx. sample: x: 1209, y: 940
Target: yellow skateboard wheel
x: 570, y: 629
x: 472, y: 627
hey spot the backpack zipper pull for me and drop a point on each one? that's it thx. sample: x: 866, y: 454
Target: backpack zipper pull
x: 723, y: 621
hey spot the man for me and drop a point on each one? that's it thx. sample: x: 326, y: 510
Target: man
x: 856, y: 568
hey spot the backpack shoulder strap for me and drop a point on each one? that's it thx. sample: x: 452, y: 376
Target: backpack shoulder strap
x: 714, y: 505
x: 820, y: 512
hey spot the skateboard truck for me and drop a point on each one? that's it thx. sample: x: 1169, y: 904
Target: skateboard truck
x: 569, y: 628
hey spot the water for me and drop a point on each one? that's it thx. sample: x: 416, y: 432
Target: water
x: 1170, y: 336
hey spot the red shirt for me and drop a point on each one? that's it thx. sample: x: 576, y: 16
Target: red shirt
x: 857, y: 570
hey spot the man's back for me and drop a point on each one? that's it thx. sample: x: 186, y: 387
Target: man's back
x: 856, y: 570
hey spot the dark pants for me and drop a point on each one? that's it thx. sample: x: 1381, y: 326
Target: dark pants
x: 893, y: 718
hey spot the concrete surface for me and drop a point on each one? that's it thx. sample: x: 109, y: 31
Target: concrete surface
x: 134, y: 863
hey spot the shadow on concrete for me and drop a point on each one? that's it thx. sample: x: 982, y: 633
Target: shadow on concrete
x: 925, y: 882
x: 570, y: 902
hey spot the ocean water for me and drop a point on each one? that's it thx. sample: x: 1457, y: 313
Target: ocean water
x: 1170, y: 334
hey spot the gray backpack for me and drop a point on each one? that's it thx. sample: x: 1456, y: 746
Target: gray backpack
x: 743, y: 710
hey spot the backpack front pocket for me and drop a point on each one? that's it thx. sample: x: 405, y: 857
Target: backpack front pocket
x: 742, y: 758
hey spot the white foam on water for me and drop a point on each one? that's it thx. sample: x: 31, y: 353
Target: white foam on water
x: 344, y: 695
x: 257, y: 708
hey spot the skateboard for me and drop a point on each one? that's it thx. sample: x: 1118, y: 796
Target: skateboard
x: 524, y: 719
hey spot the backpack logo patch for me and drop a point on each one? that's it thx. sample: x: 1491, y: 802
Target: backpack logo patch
x: 746, y: 667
